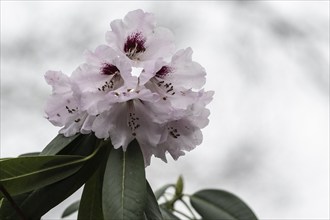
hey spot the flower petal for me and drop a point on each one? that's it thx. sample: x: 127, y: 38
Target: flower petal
x: 185, y: 72
x: 139, y: 38
x: 62, y: 105
x: 113, y: 124
x: 95, y: 75
x: 182, y: 136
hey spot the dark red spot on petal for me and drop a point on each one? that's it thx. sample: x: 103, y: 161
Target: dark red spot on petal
x: 109, y: 69
x: 163, y: 71
x: 134, y: 44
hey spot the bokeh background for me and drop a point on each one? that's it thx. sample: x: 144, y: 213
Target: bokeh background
x: 267, y: 61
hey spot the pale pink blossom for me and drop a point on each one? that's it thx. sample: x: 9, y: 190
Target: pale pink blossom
x: 105, y: 70
x: 183, y: 132
x: 139, y: 37
x: 162, y: 106
x: 175, y: 80
x: 132, y: 113
x: 63, y: 106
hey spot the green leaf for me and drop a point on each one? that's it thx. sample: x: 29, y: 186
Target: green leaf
x: 7, y: 210
x: 152, y: 211
x: 80, y: 144
x: 29, y: 154
x: 219, y: 204
x: 91, y: 201
x: 59, y: 143
x: 162, y: 190
x: 71, y: 209
x: 124, y: 184
x: 83, y: 146
x: 5, y: 158
x: 167, y: 214
x: 42, y: 200
x: 23, y: 174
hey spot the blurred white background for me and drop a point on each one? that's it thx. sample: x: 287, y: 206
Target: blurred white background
x: 267, y: 61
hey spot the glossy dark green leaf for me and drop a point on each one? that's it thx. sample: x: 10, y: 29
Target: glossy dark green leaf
x: 5, y: 158
x: 219, y: 204
x: 152, y: 211
x: 71, y: 209
x: 59, y: 143
x: 162, y: 190
x: 80, y: 144
x: 168, y: 215
x: 42, y: 200
x: 23, y: 174
x: 6, y: 208
x: 91, y: 201
x: 84, y: 145
x: 124, y: 184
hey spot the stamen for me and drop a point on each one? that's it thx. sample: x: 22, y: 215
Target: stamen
x: 71, y: 110
x: 134, y: 44
x: 133, y: 123
x: 114, y: 83
x: 164, y: 87
x: 173, y: 132
x: 160, y: 83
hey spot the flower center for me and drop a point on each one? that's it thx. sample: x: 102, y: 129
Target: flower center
x: 109, y: 69
x: 163, y: 71
x: 136, y: 71
x: 134, y: 45
x: 114, y: 81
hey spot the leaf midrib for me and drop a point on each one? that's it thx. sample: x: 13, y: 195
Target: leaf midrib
x: 42, y: 170
x: 83, y: 159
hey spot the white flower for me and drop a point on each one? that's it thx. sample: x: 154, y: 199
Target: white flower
x: 163, y: 108
x: 105, y: 70
x: 183, y: 132
x: 138, y: 36
x: 63, y: 106
x: 132, y: 113
x: 173, y: 81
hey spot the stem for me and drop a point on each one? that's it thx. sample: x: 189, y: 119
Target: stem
x: 166, y: 199
x: 12, y: 202
x: 169, y: 194
x: 181, y: 213
x: 188, y: 207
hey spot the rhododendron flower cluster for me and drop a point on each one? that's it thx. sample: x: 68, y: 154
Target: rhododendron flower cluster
x: 134, y: 87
